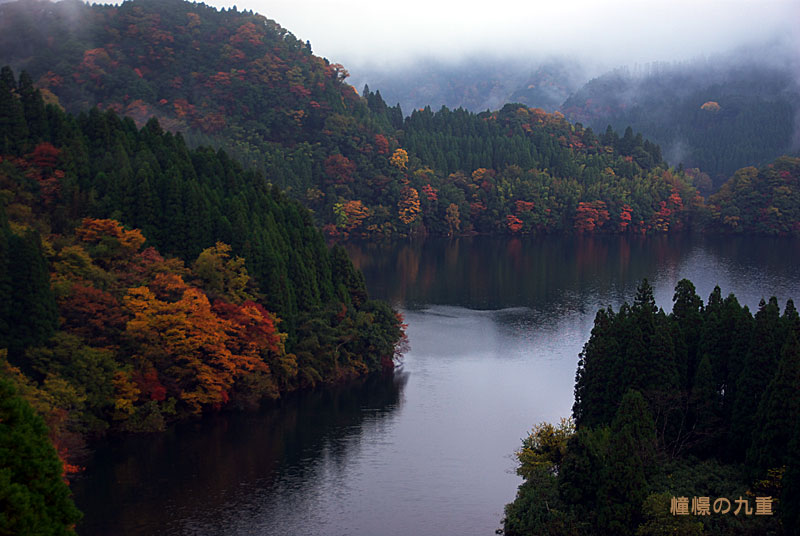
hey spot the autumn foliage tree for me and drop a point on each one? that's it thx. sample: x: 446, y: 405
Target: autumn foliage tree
x: 590, y: 216
x: 408, y: 208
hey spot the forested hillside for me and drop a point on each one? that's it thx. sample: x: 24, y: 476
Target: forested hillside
x: 764, y: 200
x: 240, y: 81
x: 700, y: 403
x: 719, y: 114
x: 143, y: 282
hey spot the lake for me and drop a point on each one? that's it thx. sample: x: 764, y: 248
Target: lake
x: 495, y: 327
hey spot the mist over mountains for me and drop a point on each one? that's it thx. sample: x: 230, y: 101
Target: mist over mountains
x: 754, y: 115
x: 476, y: 84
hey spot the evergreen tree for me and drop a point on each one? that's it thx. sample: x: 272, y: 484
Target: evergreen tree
x: 33, y: 497
x: 759, y: 367
x: 32, y: 313
x: 778, y: 411
x: 631, y: 453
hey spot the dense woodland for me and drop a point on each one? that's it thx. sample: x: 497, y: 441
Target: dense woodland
x: 142, y: 282
x: 700, y: 402
x: 238, y: 80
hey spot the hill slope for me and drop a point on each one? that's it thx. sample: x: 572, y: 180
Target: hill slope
x: 718, y: 115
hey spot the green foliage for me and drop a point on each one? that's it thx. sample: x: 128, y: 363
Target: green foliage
x: 33, y: 497
x: 643, y: 436
x: 544, y: 448
x: 763, y: 200
x: 28, y: 312
x: 660, y: 522
x: 631, y: 453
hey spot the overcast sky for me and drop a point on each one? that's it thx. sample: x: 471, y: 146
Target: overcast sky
x: 613, y: 32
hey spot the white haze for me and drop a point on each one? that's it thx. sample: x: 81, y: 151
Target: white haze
x: 606, y: 33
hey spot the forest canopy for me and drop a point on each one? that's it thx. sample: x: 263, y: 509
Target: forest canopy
x: 700, y: 403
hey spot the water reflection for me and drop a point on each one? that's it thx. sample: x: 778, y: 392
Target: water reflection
x: 493, y: 273
x: 204, y: 477
x: 495, y: 327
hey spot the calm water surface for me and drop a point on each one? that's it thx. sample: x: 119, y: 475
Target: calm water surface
x: 495, y: 327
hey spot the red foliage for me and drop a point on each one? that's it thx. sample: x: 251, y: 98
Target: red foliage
x: 524, y: 206
x: 675, y: 200
x: 381, y: 144
x: 430, y: 192
x: 45, y: 155
x: 300, y: 91
x: 183, y: 108
x: 514, y: 223
x: 210, y: 122
x: 149, y: 384
x: 340, y: 168
x: 50, y: 79
x: 253, y: 328
x: 625, y: 217
x: 475, y: 207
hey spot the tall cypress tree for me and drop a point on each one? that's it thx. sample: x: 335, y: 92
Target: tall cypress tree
x: 778, y: 411
x: 631, y: 453
x: 33, y: 315
x: 756, y: 374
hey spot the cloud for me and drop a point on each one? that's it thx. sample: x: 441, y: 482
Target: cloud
x: 612, y: 32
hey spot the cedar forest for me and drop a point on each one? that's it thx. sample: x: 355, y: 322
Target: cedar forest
x: 168, y: 175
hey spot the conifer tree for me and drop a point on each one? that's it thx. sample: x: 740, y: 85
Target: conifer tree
x: 778, y: 411
x: 631, y: 453
x: 759, y: 367
x: 33, y: 497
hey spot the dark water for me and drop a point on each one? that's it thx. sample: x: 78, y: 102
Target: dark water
x: 495, y: 328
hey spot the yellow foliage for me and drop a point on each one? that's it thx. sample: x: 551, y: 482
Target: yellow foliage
x: 399, y: 159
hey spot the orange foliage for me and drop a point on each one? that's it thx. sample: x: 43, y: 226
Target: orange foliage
x: 248, y: 33
x: 95, y: 231
x: 399, y: 158
x: 189, y: 345
x: 252, y: 328
x: 590, y: 216
x: 662, y: 217
x: 408, y: 207
x: 356, y: 213
x: 93, y: 314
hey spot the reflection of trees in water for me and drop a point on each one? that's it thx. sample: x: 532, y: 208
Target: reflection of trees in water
x: 491, y: 272
x: 496, y: 272
x: 137, y: 484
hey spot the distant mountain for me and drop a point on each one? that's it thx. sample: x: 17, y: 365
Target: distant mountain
x: 476, y: 85
x: 718, y: 115
x: 239, y: 81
